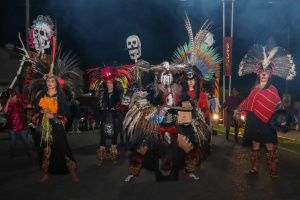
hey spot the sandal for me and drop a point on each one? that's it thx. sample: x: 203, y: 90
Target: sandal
x: 252, y: 171
x: 274, y: 174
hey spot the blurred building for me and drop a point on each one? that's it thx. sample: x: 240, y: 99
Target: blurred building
x: 9, y: 66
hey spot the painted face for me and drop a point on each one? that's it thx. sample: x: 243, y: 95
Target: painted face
x: 110, y: 85
x: 264, y: 76
x: 51, y: 83
x: 191, y: 82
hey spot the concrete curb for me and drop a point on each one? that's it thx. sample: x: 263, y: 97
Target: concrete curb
x: 281, y: 148
x: 277, y: 135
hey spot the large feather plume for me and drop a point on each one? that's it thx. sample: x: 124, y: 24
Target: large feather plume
x: 174, y: 68
x: 102, y: 74
x: 66, y: 67
x: 285, y: 67
x: 197, y: 53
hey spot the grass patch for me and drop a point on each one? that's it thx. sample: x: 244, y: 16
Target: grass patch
x: 286, y: 143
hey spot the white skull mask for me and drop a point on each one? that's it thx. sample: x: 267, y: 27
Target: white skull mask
x: 166, y: 78
x: 42, y: 31
x: 134, y: 47
x: 125, y: 100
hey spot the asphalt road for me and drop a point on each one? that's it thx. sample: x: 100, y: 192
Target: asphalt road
x: 221, y: 178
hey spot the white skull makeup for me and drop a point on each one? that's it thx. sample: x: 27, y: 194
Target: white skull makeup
x: 41, y: 30
x: 134, y: 47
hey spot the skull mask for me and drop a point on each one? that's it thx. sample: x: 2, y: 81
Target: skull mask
x: 166, y: 78
x: 134, y: 47
x: 41, y: 33
x: 125, y: 100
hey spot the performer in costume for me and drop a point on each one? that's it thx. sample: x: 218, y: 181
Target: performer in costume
x: 110, y: 84
x: 263, y: 105
x: 174, y: 135
x: 202, y: 63
x: 57, y: 81
x: 151, y: 122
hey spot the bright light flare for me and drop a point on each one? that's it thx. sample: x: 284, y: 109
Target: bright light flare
x: 243, y: 118
x: 216, y: 116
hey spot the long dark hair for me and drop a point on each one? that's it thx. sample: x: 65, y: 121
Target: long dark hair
x: 5, y: 95
x: 116, y: 97
x: 196, y: 88
x: 257, y: 81
x: 61, y: 99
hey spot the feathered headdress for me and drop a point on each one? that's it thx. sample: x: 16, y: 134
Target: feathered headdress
x: 198, y: 53
x: 103, y: 74
x: 274, y: 61
x: 164, y: 72
x: 63, y: 67
x: 166, y: 66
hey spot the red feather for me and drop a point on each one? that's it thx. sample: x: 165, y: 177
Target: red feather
x: 54, y: 48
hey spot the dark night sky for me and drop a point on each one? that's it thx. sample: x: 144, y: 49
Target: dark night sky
x: 97, y: 29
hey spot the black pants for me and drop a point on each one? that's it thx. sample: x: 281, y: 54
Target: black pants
x: 109, y: 128
x: 236, y: 125
x: 114, y: 138
x: 121, y: 116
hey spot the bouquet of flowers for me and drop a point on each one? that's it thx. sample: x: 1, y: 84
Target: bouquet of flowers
x: 51, y: 104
